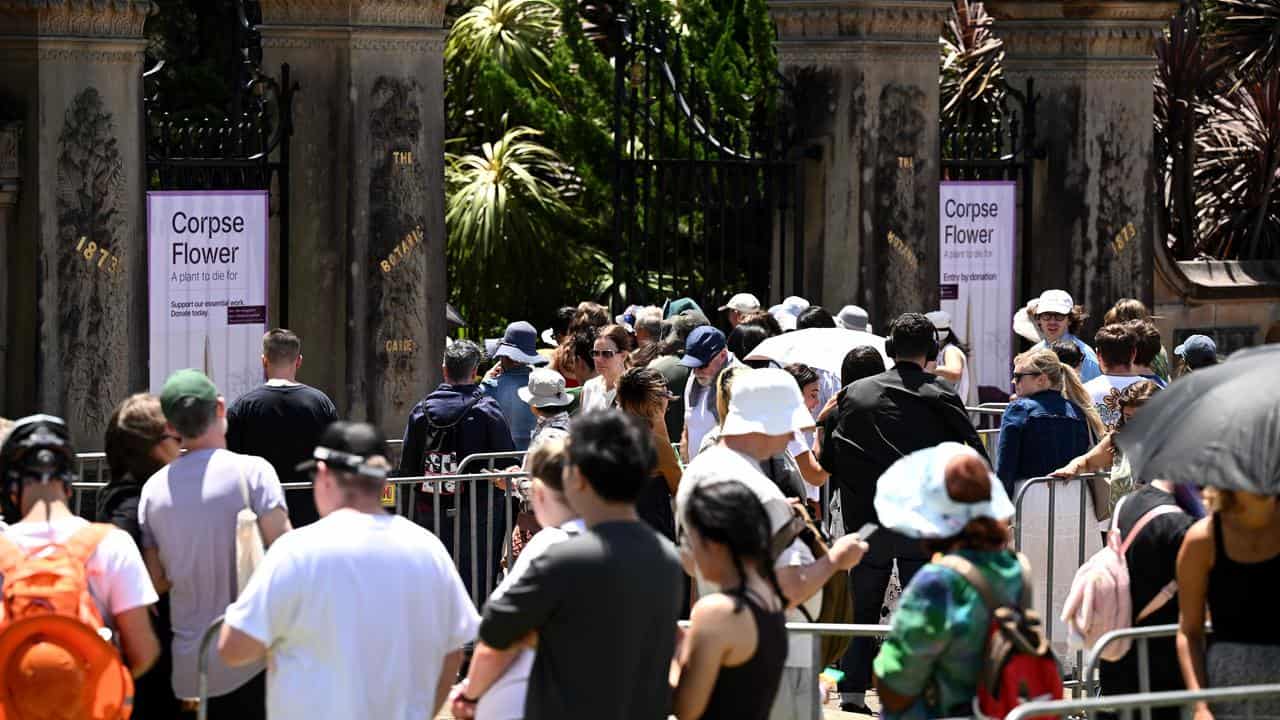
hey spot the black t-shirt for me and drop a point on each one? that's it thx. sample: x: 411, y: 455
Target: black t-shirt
x: 605, y: 605
x: 282, y: 423
x: 1152, y: 559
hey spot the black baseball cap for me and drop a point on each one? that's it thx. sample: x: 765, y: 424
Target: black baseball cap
x: 348, y: 446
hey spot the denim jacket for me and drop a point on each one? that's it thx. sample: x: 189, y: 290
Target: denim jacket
x: 1038, y: 435
x: 504, y: 390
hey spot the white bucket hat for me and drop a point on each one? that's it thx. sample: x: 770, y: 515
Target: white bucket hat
x: 766, y: 401
x: 941, y: 319
x: 911, y: 496
x: 545, y: 389
x: 853, y: 317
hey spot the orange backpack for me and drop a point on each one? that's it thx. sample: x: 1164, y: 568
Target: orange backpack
x: 54, y: 660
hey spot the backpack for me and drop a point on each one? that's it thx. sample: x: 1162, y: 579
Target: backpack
x: 1099, y: 600
x: 837, y: 600
x: 439, y: 451
x: 47, y: 615
x: 1018, y: 665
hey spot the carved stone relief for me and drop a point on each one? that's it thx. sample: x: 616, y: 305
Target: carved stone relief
x: 397, y: 242
x: 92, y: 298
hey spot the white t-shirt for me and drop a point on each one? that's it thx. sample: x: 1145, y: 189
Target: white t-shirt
x: 118, y: 579
x: 699, y: 413
x: 504, y: 700
x: 1104, y: 390
x: 358, y: 611
x: 722, y: 464
x: 801, y: 443
x: 595, y: 396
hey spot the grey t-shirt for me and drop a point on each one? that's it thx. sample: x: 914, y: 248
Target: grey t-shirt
x: 605, y: 605
x: 187, y: 511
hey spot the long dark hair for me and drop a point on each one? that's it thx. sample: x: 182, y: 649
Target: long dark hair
x: 953, y: 339
x: 730, y: 514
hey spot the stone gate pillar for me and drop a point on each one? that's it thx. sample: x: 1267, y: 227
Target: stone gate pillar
x: 866, y: 77
x: 367, y: 266
x: 76, y: 272
x: 10, y: 185
x: 1094, y: 208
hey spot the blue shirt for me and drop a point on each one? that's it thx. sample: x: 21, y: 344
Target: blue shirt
x: 1038, y: 435
x: 504, y: 391
x: 1089, y: 368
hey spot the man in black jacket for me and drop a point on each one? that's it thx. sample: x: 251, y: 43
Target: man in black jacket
x: 880, y: 419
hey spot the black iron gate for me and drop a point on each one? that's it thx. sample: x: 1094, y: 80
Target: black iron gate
x: 247, y: 148
x: 704, y: 205
x: 1002, y: 150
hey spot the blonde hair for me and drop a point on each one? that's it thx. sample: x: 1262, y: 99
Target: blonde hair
x: 724, y: 390
x: 1064, y: 379
x: 547, y: 460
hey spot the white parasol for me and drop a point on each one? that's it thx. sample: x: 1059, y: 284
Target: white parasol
x: 821, y: 348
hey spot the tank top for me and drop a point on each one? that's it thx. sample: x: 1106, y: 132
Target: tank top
x: 962, y: 387
x: 1242, y: 596
x: 746, y: 692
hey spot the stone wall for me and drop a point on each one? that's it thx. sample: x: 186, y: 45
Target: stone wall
x: 368, y: 233
x: 75, y: 280
x: 867, y: 84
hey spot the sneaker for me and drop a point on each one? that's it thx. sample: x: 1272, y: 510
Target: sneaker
x: 857, y: 709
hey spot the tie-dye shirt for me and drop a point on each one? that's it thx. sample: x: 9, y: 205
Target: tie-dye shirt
x: 935, y: 649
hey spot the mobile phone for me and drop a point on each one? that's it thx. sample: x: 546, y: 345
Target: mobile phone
x: 867, y: 531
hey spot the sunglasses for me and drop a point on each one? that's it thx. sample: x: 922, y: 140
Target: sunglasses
x: 606, y: 354
x: 1019, y: 375
x: 1052, y: 316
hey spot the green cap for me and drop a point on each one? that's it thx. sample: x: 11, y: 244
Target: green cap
x: 185, y: 386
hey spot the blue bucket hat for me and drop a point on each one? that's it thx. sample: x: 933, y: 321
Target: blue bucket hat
x: 520, y: 343
x: 911, y: 496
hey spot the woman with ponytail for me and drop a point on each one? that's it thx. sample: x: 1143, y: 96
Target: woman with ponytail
x: 1051, y: 421
x: 729, y: 663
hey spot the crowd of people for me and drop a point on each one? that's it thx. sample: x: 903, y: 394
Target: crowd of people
x: 657, y: 468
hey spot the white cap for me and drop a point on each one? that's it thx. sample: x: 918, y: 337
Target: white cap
x: 1055, y: 301
x: 766, y: 401
x: 795, y: 305
x: 853, y: 317
x: 786, y: 319
x: 742, y: 302
x: 941, y: 319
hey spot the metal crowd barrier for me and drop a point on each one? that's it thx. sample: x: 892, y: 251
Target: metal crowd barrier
x: 202, y: 667
x: 1141, y: 637
x: 1145, y: 702
x: 1086, y: 522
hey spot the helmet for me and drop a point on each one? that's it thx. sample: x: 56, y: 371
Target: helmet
x: 37, y: 445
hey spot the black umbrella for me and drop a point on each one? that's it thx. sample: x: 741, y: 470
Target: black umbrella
x: 1218, y: 427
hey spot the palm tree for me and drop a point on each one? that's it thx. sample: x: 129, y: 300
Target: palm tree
x: 511, y: 33
x: 507, y: 221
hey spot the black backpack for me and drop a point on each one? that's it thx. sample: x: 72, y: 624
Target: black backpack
x: 440, y: 451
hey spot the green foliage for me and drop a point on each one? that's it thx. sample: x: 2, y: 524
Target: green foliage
x: 510, y: 33
x: 1217, y: 130
x: 972, y: 84
x: 565, y: 91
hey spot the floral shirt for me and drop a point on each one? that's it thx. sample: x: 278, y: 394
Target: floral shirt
x: 935, y: 649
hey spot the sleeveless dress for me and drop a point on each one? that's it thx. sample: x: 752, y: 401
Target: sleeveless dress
x: 1244, y: 647
x: 746, y: 691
